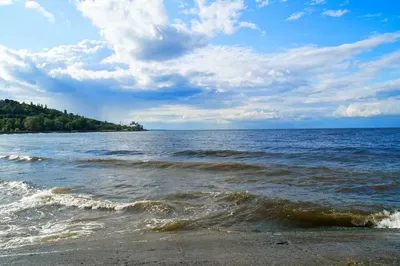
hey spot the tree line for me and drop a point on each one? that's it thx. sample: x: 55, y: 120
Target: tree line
x: 18, y: 117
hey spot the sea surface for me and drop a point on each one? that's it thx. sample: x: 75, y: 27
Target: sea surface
x: 59, y: 186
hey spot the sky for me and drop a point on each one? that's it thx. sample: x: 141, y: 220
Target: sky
x: 206, y: 64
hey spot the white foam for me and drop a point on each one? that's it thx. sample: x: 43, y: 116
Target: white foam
x: 15, y: 188
x: 46, y: 198
x: 41, y: 198
x: 392, y: 221
x: 15, y: 157
x: 13, y: 235
x: 51, y: 231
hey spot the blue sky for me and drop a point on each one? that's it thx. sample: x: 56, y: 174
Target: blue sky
x: 203, y: 64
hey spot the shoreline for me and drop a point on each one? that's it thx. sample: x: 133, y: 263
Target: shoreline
x: 207, y: 247
x: 70, y: 132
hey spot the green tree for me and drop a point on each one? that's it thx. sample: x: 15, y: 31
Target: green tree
x: 48, y: 124
x: 58, y: 125
x: 34, y: 123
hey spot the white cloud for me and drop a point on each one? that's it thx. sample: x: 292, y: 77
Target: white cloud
x: 335, y: 13
x: 317, y: 2
x: 296, y: 16
x: 5, y: 2
x: 358, y: 110
x: 262, y: 3
x: 246, y: 24
x: 183, y: 114
x: 220, y: 16
x: 141, y: 35
x: 367, y: 109
x: 240, y: 70
x: 140, y: 29
x: 375, y: 15
x: 29, y: 4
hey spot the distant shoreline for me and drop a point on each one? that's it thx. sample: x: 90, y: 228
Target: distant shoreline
x: 24, y: 118
x: 70, y: 132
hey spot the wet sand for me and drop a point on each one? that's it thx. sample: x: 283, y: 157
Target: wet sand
x: 355, y: 247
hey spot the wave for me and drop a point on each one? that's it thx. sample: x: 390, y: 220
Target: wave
x: 391, y: 221
x: 115, y: 152
x: 204, y: 209
x: 171, y: 225
x: 14, y: 190
x: 15, y: 187
x: 377, y: 187
x: 220, y: 153
x: 308, y: 215
x: 52, y: 197
x: 250, y: 208
x: 22, y: 158
x: 228, y: 166
x: 259, y: 169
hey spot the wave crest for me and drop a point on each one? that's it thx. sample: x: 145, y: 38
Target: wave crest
x: 206, y: 166
x: 27, y: 158
x: 391, y: 221
x: 62, y: 197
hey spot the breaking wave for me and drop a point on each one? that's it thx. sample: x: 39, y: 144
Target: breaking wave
x: 189, y: 210
x: 392, y: 220
x: 22, y: 158
x: 61, y: 197
x: 14, y: 187
x: 226, y: 207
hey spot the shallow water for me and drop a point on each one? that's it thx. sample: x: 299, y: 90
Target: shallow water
x: 58, y: 186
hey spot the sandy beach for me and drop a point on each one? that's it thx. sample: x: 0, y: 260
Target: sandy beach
x: 355, y: 247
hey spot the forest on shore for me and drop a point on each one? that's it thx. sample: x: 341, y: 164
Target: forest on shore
x: 18, y: 117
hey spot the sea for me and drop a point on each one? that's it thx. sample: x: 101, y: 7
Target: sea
x: 56, y: 187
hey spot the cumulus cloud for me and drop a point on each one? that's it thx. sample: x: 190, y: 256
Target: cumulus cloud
x: 335, y: 13
x: 38, y: 8
x: 296, y: 16
x: 140, y: 29
x: 220, y: 16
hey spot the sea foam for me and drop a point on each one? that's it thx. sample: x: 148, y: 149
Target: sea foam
x: 392, y: 221
x: 63, y: 197
x: 15, y: 157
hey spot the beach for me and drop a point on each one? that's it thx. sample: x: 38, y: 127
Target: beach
x: 217, y: 248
